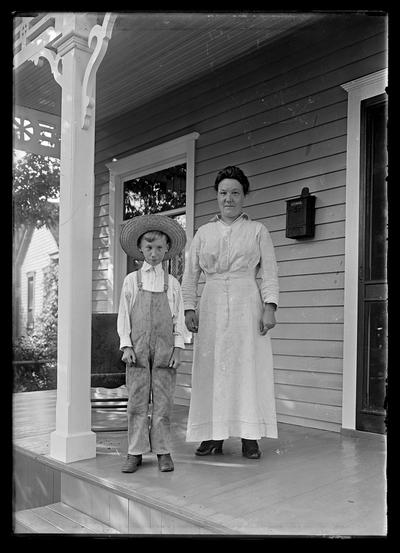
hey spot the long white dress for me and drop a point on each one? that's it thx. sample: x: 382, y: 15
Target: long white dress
x: 232, y: 378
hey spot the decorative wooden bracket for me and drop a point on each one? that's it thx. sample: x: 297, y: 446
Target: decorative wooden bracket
x: 102, y: 34
x: 54, y: 60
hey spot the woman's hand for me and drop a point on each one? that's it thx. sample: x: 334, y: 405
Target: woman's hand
x: 175, y: 360
x: 191, y: 320
x: 268, y: 319
x: 129, y: 356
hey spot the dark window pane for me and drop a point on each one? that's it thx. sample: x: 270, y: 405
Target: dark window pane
x: 176, y: 265
x: 377, y: 353
x: 156, y: 192
x: 376, y: 208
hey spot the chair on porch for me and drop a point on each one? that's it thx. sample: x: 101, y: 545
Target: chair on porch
x: 107, y: 368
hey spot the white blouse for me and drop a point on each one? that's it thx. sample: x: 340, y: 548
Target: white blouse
x: 153, y: 281
x: 245, y: 245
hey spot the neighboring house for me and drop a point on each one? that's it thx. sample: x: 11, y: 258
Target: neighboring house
x: 39, y: 246
x: 304, y: 107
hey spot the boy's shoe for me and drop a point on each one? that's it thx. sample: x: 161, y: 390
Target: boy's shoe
x: 165, y: 463
x: 132, y: 463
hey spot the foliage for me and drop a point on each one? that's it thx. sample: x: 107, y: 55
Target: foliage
x: 41, y: 344
x: 156, y: 192
x: 31, y: 377
x: 36, y: 180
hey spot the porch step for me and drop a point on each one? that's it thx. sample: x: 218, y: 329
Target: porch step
x: 58, y: 518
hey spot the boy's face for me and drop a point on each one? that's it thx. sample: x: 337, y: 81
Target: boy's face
x: 154, y: 251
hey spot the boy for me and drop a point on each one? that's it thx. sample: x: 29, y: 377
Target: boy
x: 151, y: 328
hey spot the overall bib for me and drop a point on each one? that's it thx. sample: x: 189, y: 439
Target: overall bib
x: 150, y: 377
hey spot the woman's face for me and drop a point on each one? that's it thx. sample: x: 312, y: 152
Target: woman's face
x: 230, y: 198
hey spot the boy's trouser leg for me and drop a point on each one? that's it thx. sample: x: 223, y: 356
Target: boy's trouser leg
x: 163, y: 387
x: 138, y: 385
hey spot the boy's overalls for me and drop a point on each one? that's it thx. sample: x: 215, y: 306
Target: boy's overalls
x: 153, y: 342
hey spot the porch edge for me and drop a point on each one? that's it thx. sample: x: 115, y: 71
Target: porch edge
x: 153, y: 503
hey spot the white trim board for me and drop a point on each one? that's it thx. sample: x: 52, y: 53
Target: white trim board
x: 358, y: 90
x: 179, y: 150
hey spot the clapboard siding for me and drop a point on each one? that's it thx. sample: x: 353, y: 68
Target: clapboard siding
x: 310, y: 315
x: 308, y: 331
x: 324, y: 183
x: 310, y: 379
x: 323, y: 281
x: 319, y: 265
x: 308, y: 363
x: 233, y: 88
x: 281, y: 115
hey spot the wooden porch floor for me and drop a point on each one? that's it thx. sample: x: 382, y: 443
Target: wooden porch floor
x: 307, y: 482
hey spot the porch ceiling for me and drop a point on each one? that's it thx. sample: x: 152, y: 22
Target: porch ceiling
x: 152, y: 53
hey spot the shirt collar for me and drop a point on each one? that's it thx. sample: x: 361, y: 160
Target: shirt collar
x: 147, y: 267
x: 217, y: 217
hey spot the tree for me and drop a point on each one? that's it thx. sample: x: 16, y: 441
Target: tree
x: 36, y: 181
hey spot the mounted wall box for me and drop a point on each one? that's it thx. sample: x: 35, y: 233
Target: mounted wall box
x: 300, y: 216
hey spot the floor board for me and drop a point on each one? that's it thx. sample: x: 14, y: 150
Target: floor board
x: 307, y: 482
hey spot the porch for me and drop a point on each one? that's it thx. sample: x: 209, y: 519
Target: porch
x: 308, y: 482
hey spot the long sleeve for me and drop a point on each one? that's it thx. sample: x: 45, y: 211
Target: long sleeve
x: 180, y: 331
x: 123, y: 319
x: 191, y: 275
x: 268, y: 268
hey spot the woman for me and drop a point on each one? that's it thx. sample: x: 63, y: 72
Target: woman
x: 232, y: 381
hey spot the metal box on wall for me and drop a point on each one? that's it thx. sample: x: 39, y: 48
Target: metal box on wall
x: 300, y: 216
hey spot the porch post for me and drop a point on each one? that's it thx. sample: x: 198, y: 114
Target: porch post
x: 73, y: 439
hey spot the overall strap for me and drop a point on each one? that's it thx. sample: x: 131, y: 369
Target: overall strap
x: 139, y: 279
x: 165, y: 280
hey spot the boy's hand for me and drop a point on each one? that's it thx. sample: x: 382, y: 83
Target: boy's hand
x: 191, y: 320
x: 175, y: 360
x: 129, y: 356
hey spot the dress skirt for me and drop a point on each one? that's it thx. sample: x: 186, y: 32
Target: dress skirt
x: 232, y: 379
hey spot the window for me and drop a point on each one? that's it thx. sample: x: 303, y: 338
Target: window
x: 30, y: 300
x: 160, y: 192
x: 157, y: 180
x: 157, y: 192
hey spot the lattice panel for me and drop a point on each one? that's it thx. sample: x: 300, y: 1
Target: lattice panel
x: 36, y: 132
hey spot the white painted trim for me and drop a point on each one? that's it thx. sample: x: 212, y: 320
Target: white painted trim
x: 358, y: 90
x: 179, y: 150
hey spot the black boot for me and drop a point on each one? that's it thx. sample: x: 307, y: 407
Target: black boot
x: 132, y: 463
x: 207, y: 447
x: 250, y: 449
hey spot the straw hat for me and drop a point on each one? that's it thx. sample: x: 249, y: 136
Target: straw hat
x: 135, y: 227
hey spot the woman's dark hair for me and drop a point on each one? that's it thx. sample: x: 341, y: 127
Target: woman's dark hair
x: 232, y: 172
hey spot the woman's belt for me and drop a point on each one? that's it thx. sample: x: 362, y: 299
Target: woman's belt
x: 231, y: 275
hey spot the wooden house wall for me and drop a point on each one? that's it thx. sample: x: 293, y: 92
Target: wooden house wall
x: 37, y: 258
x: 280, y: 115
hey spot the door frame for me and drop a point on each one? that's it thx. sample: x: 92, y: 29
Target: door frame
x: 358, y: 90
x: 173, y: 152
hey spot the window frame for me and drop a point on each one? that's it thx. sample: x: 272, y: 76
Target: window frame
x: 30, y: 312
x: 173, y: 152
x: 358, y: 90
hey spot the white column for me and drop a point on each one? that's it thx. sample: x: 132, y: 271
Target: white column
x: 73, y: 439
